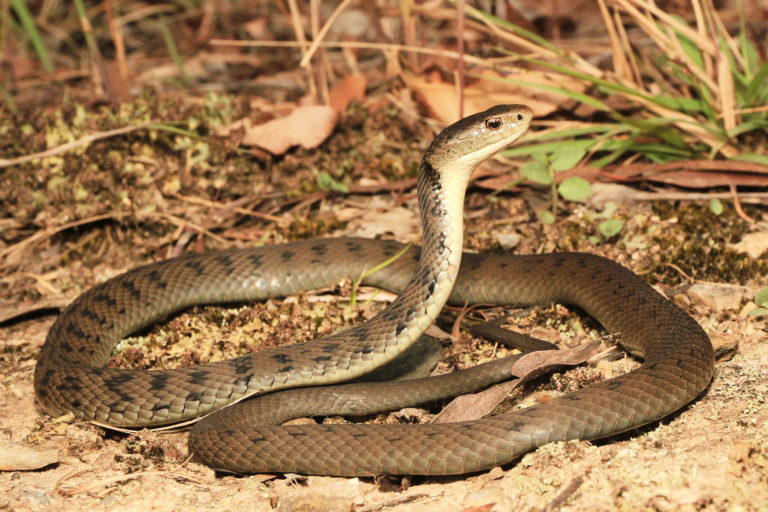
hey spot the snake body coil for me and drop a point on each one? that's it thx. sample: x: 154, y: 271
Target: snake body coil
x: 69, y: 377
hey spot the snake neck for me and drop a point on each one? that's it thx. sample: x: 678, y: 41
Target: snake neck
x: 441, y: 205
x: 441, y: 199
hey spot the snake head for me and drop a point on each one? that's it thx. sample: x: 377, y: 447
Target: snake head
x: 469, y: 141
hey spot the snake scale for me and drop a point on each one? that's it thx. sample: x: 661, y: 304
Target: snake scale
x: 69, y: 376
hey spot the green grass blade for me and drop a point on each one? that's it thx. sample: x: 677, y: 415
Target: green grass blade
x: 511, y: 27
x: 573, y: 132
x: 757, y: 90
x: 748, y: 126
x: 690, y: 48
x: 174, y: 52
x: 93, y: 47
x: 548, y: 147
x: 356, y: 283
x: 752, y: 157
x: 20, y: 6
x: 577, y: 96
x: 610, y: 86
x: 623, y: 147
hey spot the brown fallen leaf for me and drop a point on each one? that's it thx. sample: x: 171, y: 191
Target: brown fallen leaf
x: 492, y: 89
x: 476, y: 405
x: 25, y: 457
x: 306, y: 126
x: 351, y: 87
x: 692, y: 173
x: 709, y: 179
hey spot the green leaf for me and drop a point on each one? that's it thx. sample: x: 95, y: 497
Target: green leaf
x: 28, y: 22
x: 746, y: 127
x: 686, y: 104
x: 326, y: 182
x: 600, y: 82
x: 536, y: 171
x: 690, y: 48
x: 756, y: 88
x: 610, y: 228
x: 616, y: 150
x: 573, y: 132
x: 758, y: 312
x: 761, y: 298
x: 752, y: 157
x: 547, y: 147
x: 567, y: 158
x: 575, y: 189
x: 716, y: 206
x: 546, y: 217
x: 657, y: 127
x: 748, y: 50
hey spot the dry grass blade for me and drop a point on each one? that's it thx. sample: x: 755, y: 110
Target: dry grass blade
x: 362, y: 45
x: 323, y: 31
x: 619, y: 56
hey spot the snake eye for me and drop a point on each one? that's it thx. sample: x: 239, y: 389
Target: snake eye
x: 493, y: 123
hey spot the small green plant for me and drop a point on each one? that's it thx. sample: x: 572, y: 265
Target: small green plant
x: 327, y: 182
x: 543, y: 166
x: 610, y: 228
x: 699, y: 92
x: 761, y: 299
x: 716, y: 206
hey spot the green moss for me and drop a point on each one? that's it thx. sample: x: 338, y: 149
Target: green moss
x: 311, y: 228
x: 698, y: 244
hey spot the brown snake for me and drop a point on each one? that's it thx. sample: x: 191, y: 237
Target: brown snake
x: 69, y: 375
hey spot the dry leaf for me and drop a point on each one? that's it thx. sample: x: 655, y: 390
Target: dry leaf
x: 25, y: 457
x: 477, y: 405
x: 442, y: 97
x: 307, y: 126
x: 351, y: 87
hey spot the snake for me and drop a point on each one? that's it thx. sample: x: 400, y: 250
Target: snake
x: 70, y: 374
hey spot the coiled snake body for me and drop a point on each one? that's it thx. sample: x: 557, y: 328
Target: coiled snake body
x: 69, y: 377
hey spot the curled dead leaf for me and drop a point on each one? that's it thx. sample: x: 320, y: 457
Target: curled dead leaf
x: 306, y: 126
x: 476, y: 405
